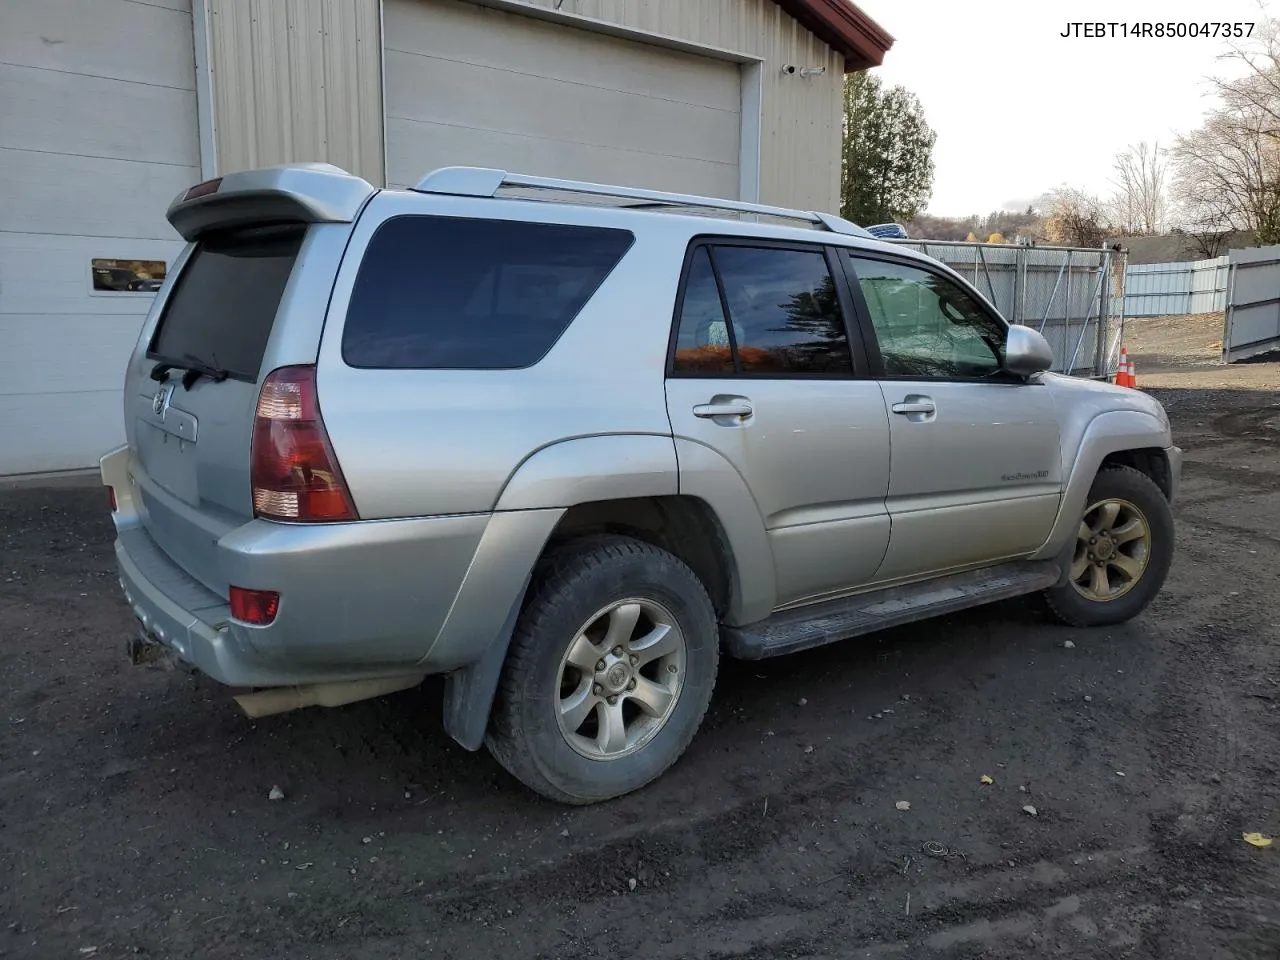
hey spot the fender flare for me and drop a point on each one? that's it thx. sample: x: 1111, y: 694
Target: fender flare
x: 1110, y: 432
x: 535, y: 496
x: 621, y: 466
x: 707, y: 475
x: 531, y: 503
x: 599, y: 467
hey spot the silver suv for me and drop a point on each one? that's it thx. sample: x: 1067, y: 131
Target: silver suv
x: 568, y: 444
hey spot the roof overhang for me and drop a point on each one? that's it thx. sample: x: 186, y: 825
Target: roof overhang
x: 844, y: 28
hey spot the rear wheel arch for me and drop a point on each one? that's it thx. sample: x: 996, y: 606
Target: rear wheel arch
x: 586, y: 469
x: 696, y: 483
x: 685, y: 526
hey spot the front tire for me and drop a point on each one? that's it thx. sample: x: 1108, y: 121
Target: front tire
x: 609, y: 672
x: 1123, y: 548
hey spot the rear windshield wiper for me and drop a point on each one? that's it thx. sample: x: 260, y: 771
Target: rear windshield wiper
x: 194, y: 368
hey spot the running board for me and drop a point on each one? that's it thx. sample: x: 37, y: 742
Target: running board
x: 816, y: 624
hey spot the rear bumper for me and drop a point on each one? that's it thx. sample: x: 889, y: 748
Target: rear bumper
x: 180, y: 613
x: 357, y: 600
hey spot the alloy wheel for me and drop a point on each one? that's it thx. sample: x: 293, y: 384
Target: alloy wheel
x: 620, y: 678
x: 1113, y: 544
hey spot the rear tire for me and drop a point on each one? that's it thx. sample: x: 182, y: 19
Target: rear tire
x: 1121, y: 555
x: 609, y: 672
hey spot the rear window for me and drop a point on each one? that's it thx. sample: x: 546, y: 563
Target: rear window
x: 225, y: 300
x: 450, y: 293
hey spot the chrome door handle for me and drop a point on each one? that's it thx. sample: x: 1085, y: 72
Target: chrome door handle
x: 723, y: 408
x: 914, y: 405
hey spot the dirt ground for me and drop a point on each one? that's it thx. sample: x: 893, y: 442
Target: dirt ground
x: 135, y: 820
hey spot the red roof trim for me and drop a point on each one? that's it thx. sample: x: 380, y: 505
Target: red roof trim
x: 844, y: 28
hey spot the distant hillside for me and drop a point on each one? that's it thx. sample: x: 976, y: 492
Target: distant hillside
x: 1174, y: 247
x: 1007, y: 223
x: 1028, y: 225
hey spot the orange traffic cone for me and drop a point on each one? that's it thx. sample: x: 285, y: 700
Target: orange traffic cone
x: 1122, y: 371
x: 1133, y: 375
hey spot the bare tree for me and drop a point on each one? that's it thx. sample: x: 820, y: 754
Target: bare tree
x: 1259, y: 87
x: 1140, y: 204
x: 1073, y: 218
x: 1207, y: 220
x: 1228, y: 173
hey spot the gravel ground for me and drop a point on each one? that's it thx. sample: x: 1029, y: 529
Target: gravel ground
x: 135, y: 819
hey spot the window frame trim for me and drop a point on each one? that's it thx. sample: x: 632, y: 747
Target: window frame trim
x: 725, y: 315
x: 860, y: 367
x: 872, y: 340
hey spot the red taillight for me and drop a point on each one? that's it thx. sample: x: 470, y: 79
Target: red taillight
x: 294, y: 474
x: 258, y: 607
x: 111, y: 495
x: 202, y: 189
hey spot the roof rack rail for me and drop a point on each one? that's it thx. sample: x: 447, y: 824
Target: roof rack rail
x: 486, y: 182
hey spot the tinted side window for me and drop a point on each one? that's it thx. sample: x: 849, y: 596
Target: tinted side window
x: 928, y: 326
x: 449, y: 293
x: 783, y: 314
x: 702, y: 344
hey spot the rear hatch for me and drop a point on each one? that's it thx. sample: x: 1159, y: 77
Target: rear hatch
x: 248, y: 297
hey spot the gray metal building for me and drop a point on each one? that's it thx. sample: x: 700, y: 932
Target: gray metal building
x: 108, y: 108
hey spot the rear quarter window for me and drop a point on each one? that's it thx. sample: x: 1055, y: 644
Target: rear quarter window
x: 452, y: 293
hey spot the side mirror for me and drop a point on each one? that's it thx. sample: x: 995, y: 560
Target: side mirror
x: 1026, y: 352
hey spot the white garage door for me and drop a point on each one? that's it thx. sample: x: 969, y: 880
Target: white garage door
x: 475, y: 86
x: 97, y: 134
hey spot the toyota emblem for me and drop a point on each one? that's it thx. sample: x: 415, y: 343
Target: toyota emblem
x: 160, y: 402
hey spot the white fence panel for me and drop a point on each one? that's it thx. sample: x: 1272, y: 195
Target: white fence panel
x: 1252, y: 324
x: 1168, y: 289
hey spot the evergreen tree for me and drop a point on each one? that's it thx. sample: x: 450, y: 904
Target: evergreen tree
x: 887, y: 163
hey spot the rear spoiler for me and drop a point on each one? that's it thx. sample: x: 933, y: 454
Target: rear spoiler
x: 310, y: 192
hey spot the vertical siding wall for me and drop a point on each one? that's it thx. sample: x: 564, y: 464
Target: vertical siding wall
x: 800, y: 122
x: 302, y: 80
x: 297, y: 80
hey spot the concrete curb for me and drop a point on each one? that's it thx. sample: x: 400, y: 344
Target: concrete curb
x: 62, y: 478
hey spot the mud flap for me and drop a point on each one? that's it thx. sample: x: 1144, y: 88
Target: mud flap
x: 469, y: 692
x: 1063, y: 560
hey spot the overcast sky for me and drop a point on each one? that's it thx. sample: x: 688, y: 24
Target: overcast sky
x: 1019, y: 109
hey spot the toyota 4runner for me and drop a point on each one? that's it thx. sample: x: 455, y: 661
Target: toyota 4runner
x: 568, y: 444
